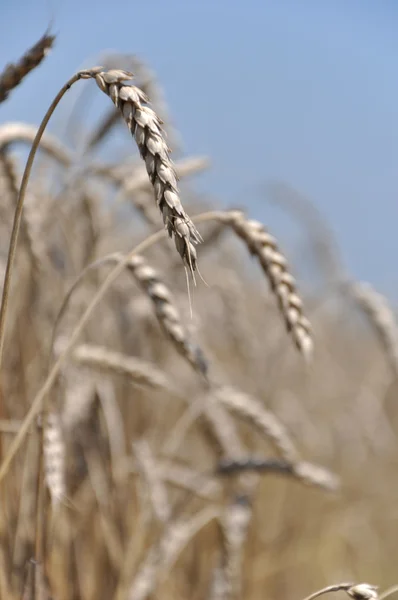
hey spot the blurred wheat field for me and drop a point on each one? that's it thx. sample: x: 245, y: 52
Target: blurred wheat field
x: 192, y: 444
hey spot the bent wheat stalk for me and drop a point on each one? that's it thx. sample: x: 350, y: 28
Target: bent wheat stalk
x: 87, y: 74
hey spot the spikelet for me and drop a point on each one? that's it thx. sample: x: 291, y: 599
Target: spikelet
x: 54, y: 457
x: 167, y: 313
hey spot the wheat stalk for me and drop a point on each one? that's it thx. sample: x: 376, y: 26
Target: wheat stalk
x: 266, y: 422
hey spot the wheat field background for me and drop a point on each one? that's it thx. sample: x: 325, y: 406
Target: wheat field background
x: 180, y: 418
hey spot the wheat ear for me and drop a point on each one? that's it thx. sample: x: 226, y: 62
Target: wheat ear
x: 165, y: 551
x: 307, y: 473
x: 157, y: 491
x: 30, y: 237
x: 149, y: 85
x: 54, y: 457
x: 139, y: 371
x: 264, y: 246
x: 145, y: 126
x: 252, y: 410
x: 15, y: 72
x: 235, y: 524
x: 167, y: 313
x: 381, y: 316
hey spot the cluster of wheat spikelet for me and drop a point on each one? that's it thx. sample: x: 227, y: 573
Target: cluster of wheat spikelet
x: 160, y: 443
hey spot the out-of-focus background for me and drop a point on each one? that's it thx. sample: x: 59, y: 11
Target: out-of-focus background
x: 304, y: 92
x: 135, y: 485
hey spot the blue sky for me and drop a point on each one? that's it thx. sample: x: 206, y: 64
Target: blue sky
x: 301, y: 91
